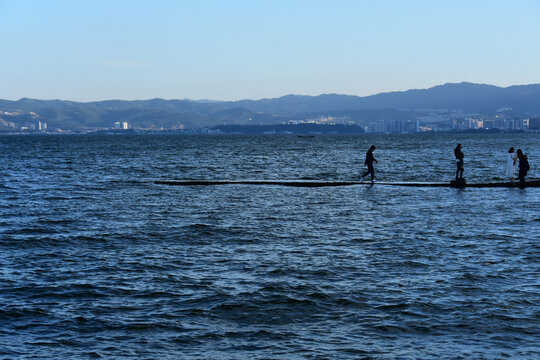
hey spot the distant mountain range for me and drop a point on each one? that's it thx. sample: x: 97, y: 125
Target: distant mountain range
x: 521, y: 100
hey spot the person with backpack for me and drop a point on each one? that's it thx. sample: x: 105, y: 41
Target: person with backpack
x: 523, y: 167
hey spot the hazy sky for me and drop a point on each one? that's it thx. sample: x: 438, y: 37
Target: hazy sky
x: 229, y: 50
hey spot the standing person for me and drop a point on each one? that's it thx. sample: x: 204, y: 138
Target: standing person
x: 459, y: 161
x: 369, y: 163
x: 511, y: 164
x: 523, y: 167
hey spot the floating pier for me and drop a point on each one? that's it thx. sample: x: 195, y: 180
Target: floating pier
x: 319, y: 183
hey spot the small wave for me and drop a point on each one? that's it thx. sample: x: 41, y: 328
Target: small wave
x: 10, y: 312
x: 392, y: 307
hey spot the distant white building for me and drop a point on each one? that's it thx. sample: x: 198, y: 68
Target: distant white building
x: 40, y: 125
x: 123, y: 125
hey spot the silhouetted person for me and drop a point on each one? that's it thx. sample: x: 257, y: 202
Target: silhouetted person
x: 369, y: 163
x: 523, y: 167
x: 459, y: 161
x: 511, y: 164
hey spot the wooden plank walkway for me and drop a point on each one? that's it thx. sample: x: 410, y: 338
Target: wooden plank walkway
x: 315, y: 183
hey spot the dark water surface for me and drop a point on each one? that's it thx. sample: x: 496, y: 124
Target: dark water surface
x: 97, y: 261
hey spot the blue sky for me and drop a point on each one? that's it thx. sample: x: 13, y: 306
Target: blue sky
x: 229, y: 50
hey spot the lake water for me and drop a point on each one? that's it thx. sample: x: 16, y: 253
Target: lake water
x: 97, y: 261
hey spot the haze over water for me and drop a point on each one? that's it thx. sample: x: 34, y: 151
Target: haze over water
x: 100, y: 262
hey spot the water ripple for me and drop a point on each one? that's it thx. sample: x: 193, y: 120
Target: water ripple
x: 98, y: 262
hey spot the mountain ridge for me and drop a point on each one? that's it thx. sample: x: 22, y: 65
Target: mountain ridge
x: 184, y: 113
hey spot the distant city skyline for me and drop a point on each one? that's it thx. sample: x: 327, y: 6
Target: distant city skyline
x: 209, y: 49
